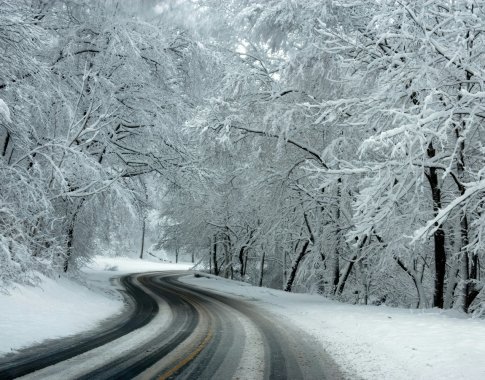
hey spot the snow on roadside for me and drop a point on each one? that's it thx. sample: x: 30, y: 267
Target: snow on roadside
x: 372, y: 342
x: 367, y: 342
x: 59, y: 308
x: 53, y: 309
x: 128, y: 265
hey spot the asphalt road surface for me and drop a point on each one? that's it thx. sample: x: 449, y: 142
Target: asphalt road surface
x: 176, y: 331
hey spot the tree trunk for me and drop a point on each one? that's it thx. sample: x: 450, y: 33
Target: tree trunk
x: 362, y: 269
x: 5, y: 144
x: 468, y: 274
x: 338, y: 237
x: 284, y: 269
x: 294, y: 268
x: 465, y: 263
x: 438, y: 236
x: 11, y: 155
x: 228, y: 271
x: 345, y: 276
x: 451, y: 284
x: 342, y: 278
x: 335, y: 271
x: 242, y: 269
x: 243, y: 255
x: 210, y: 258
x: 70, y: 238
x: 422, y: 302
x: 261, y: 269
x: 142, y: 238
x: 474, y: 276
x: 214, y: 256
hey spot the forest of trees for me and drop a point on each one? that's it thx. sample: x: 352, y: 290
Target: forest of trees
x: 319, y: 146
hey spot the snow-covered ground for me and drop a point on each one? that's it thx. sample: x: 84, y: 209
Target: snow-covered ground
x: 367, y: 342
x: 56, y: 308
x: 123, y: 265
x: 59, y: 308
x: 372, y: 342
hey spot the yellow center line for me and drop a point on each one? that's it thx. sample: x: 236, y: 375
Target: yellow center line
x: 188, y: 358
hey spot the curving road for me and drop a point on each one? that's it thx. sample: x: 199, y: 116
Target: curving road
x: 177, y: 331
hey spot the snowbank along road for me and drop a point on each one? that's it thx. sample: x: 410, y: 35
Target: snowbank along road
x: 175, y: 330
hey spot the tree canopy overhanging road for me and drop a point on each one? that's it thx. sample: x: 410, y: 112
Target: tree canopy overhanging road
x: 331, y: 147
x: 318, y: 146
x: 177, y: 331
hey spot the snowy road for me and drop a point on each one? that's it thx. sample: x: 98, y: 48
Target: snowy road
x: 179, y: 331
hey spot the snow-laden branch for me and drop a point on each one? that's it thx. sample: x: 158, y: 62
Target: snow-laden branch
x: 5, y: 111
x: 437, y: 46
x: 83, y: 192
x: 291, y: 141
x: 473, y: 188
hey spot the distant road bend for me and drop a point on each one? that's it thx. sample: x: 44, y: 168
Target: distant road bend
x: 177, y: 331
